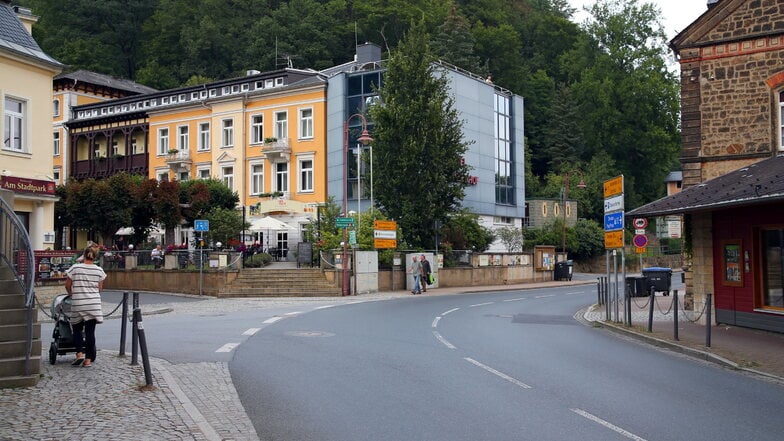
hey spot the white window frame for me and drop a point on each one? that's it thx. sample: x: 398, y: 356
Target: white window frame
x: 162, y: 176
x: 781, y: 120
x: 163, y: 141
x: 56, y: 172
x: 204, y: 136
x: 306, y: 123
x: 56, y: 143
x: 227, y: 133
x: 257, y: 128
x: 281, y: 125
x: 56, y: 107
x: 182, y: 138
x: 305, y: 174
x: 281, y: 179
x: 227, y: 176
x: 14, y: 121
x: 256, y: 178
x: 184, y: 176
x: 200, y: 173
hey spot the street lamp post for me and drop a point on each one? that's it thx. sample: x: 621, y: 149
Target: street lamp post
x: 563, y: 209
x: 365, y: 139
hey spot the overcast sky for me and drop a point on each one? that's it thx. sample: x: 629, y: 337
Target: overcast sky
x: 676, y: 14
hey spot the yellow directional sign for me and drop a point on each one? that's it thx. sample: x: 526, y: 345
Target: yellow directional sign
x: 385, y: 243
x: 384, y: 225
x: 613, y: 186
x: 613, y: 239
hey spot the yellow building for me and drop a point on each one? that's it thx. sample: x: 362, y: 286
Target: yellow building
x: 26, y: 164
x: 263, y: 135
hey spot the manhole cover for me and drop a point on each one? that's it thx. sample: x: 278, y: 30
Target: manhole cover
x: 310, y: 334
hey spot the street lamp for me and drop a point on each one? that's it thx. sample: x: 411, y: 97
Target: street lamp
x: 563, y: 208
x: 365, y: 139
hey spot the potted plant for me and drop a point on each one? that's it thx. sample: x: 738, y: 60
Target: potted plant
x: 270, y: 140
x: 173, y: 151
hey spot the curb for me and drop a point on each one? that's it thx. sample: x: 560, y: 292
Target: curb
x: 676, y: 347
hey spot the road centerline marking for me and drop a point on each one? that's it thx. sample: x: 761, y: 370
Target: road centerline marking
x: 251, y: 331
x: 325, y: 307
x: 480, y: 304
x: 450, y: 311
x: 435, y: 322
x: 516, y: 300
x: 607, y: 424
x: 497, y: 373
x: 544, y: 296
x: 272, y: 320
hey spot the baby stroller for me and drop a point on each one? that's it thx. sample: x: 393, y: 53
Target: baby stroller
x: 62, y: 337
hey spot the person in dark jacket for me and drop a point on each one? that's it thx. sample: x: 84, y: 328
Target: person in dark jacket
x: 425, y: 272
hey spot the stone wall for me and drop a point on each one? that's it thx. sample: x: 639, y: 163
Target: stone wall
x: 701, y: 270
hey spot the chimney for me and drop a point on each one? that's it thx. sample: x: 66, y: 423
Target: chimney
x: 368, y: 53
x: 25, y: 15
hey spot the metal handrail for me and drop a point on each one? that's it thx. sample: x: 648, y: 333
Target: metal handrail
x: 17, y: 252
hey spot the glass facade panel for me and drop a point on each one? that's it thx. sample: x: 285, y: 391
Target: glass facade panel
x: 773, y: 268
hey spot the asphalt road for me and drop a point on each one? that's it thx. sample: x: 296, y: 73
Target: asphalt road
x: 492, y: 366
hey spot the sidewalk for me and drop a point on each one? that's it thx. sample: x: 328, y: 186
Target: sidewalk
x: 197, y: 401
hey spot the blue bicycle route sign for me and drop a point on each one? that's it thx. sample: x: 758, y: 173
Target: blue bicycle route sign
x: 613, y: 221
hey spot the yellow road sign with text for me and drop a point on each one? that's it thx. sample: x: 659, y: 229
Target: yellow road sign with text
x: 613, y: 186
x: 613, y: 239
x: 385, y: 243
x: 384, y: 225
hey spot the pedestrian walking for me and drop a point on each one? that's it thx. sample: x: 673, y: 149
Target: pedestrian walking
x: 84, y: 284
x: 416, y: 272
x: 425, y: 272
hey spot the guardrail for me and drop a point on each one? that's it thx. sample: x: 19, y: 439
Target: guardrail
x: 17, y: 253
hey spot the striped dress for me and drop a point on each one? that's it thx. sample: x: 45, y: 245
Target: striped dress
x: 85, y: 295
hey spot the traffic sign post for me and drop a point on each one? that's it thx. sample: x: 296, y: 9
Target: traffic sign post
x: 613, y: 235
x: 385, y: 234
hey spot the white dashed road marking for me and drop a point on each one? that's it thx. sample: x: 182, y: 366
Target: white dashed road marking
x: 228, y: 347
x: 293, y: 313
x: 515, y: 300
x: 480, y: 304
x: 574, y: 293
x: 435, y: 322
x: 497, y: 373
x: 606, y: 424
x: 251, y: 331
x: 451, y: 310
x: 325, y: 307
x: 544, y: 297
x: 272, y: 320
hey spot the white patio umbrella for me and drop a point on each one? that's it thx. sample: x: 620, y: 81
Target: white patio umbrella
x: 269, y: 224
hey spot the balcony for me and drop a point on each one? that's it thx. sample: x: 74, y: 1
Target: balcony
x: 179, y: 160
x: 275, y: 149
x: 104, y: 167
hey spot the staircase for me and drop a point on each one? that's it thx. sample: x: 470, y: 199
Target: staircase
x: 260, y: 282
x: 13, y: 334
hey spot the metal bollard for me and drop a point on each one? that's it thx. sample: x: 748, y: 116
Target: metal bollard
x: 675, y: 315
x: 650, y: 309
x: 708, y: 320
x: 137, y: 318
x: 123, y: 324
x: 134, y: 333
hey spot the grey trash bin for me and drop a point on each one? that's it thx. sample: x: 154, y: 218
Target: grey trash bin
x: 563, y: 270
x: 658, y: 278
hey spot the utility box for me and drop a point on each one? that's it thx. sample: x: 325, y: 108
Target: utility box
x: 658, y: 278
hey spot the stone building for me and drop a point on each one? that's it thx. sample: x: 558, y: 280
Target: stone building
x: 732, y: 120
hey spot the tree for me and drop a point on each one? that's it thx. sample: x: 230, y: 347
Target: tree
x: 454, y: 43
x: 462, y: 231
x: 512, y: 238
x: 225, y: 224
x: 418, y: 142
x: 166, y: 202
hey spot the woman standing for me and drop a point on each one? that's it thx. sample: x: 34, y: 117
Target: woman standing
x: 84, y: 284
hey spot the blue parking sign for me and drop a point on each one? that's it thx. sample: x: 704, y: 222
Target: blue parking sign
x: 201, y: 225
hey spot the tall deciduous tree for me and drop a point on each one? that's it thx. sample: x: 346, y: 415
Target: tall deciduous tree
x: 419, y: 144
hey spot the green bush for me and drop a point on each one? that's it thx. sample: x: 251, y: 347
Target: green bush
x: 258, y: 260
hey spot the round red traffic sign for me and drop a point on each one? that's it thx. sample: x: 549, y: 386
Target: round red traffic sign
x: 640, y: 222
x: 640, y: 240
